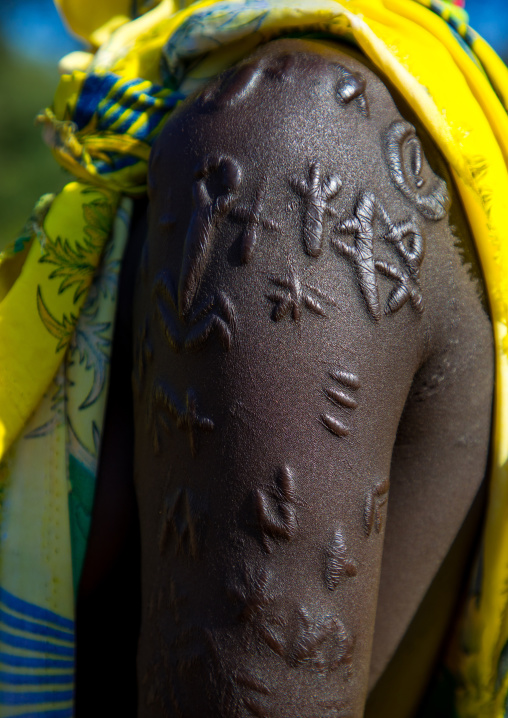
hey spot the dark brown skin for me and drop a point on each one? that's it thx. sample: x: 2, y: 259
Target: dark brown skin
x: 307, y: 344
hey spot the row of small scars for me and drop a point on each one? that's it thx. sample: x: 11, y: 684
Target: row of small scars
x: 280, y: 521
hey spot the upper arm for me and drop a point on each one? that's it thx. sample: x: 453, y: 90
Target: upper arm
x: 282, y: 314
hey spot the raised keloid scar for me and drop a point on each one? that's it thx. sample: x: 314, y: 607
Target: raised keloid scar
x: 341, y: 397
x: 179, y: 521
x: 251, y: 682
x: 360, y: 226
x: 207, y: 212
x: 243, y: 690
x: 252, y: 703
x: 316, y: 193
x: 276, y: 510
x: 307, y: 641
x: 315, y: 637
x: 337, y: 563
x: 407, y: 241
x: 215, y: 313
x: 164, y: 409
x: 252, y: 217
x: 232, y: 87
x: 404, y: 157
x: 291, y: 297
x: 351, y: 86
x: 406, y: 280
x: 236, y: 84
x: 376, y: 498
x: 253, y: 594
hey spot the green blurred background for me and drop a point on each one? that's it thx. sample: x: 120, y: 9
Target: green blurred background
x: 32, y: 39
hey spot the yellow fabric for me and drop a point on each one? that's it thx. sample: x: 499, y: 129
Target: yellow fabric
x: 36, y: 307
x: 70, y: 258
x: 85, y: 18
x: 456, y: 96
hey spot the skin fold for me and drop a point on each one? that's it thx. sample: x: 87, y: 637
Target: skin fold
x: 312, y: 372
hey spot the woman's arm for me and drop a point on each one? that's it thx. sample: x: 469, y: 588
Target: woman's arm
x: 291, y: 289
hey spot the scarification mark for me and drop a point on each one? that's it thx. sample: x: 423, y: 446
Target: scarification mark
x: 320, y: 642
x: 252, y: 682
x: 281, y: 67
x: 340, y: 398
x: 351, y: 86
x: 316, y: 193
x: 224, y: 175
x: 164, y: 296
x: 376, y: 499
x: 232, y: 86
x: 215, y: 314
x: 361, y: 227
x: 338, y: 565
x: 409, y: 243
x: 334, y: 425
x: 254, y: 707
x: 180, y: 521
x: 163, y: 405
x: 276, y: 510
x: 143, y: 354
x: 232, y: 687
x: 252, y: 217
x: 404, y: 157
x: 293, y: 296
x: 406, y: 288
x: 272, y: 637
x: 235, y: 84
x: 253, y: 594
x: 346, y: 378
